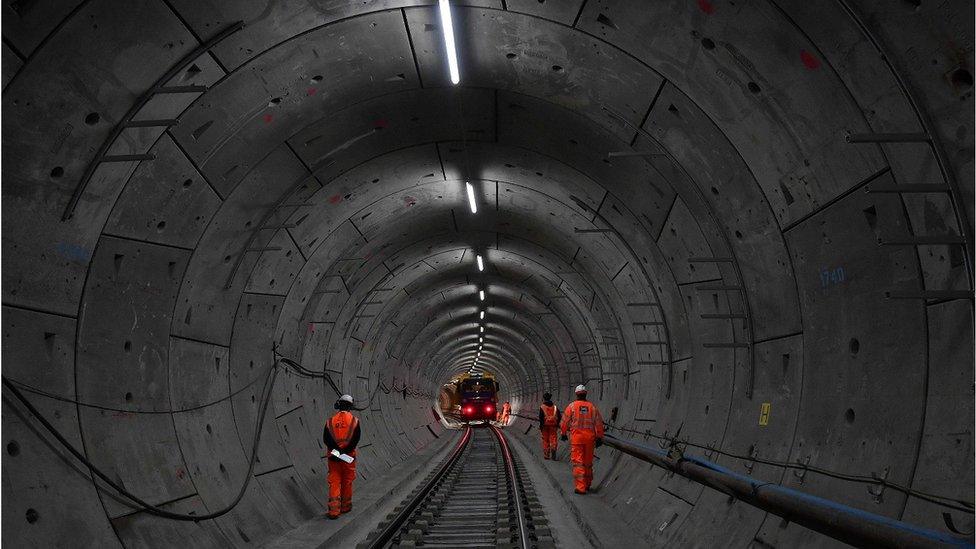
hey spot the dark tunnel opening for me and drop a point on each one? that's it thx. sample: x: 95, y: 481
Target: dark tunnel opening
x: 746, y: 228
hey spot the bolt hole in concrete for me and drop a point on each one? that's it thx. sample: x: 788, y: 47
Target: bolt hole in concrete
x: 708, y: 44
x: 128, y: 397
x: 127, y: 346
x: 317, y: 78
x: 160, y: 226
x: 57, y: 172
x: 962, y: 78
x: 209, y: 429
x: 855, y: 345
x: 511, y: 55
x: 557, y: 68
x: 92, y: 118
x: 187, y: 183
x: 274, y: 102
x: 13, y: 448
x: 753, y: 87
x: 849, y: 415
x: 32, y: 516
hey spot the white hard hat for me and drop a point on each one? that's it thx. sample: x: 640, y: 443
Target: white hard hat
x: 580, y: 388
x: 345, y: 398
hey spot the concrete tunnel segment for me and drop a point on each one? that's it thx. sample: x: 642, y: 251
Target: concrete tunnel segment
x: 311, y: 197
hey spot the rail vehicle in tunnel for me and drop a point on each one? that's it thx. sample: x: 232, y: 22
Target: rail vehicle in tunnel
x: 746, y: 227
x: 478, y: 397
x: 471, y: 397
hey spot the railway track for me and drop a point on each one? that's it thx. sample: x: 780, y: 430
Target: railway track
x: 479, y: 496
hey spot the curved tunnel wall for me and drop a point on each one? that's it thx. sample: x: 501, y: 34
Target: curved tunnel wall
x: 312, y: 198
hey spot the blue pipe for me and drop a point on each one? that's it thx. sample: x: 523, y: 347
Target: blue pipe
x: 932, y: 535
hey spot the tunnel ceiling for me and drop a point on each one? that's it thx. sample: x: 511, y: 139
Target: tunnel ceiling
x: 669, y: 210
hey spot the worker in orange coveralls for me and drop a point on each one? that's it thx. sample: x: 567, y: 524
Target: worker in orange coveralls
x: 506, y: 411
x: 549, y: 417
x: 341, y: 434
x: 585, y: 426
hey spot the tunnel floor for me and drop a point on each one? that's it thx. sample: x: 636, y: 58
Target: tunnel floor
x: 574, y: 521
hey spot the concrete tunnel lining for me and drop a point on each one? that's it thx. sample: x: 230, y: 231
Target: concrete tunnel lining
x: 138, y: 304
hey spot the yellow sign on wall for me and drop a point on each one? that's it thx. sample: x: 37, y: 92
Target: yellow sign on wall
x: 764, y: 414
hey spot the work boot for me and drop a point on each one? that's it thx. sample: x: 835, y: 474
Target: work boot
x: 332, y: 517
x: 580, y: 491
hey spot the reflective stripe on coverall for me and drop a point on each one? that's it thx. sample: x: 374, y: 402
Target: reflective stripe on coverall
x: 585, y: 424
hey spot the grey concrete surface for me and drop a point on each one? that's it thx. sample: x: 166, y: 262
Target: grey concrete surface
x: 310, y: 198
x: 374, y: 498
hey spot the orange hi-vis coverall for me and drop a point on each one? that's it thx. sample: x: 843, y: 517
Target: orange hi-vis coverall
x: 548, y: 429
x: 506, y: 410
x: 585, y: 425
x: 343, y: 429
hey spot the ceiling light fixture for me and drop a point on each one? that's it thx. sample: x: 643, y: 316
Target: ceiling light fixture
x: 481, y: 295
x: 481, y: 263
x: 482, y: 315
x: 447, y: 26
x: 471, y: 201
x: 482, y: 329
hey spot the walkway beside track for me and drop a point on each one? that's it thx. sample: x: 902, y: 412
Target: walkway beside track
x: 371, y: 499
x: 596, y: 524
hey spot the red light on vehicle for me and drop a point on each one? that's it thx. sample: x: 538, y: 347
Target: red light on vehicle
x: 469, y: 409
x: 489, y: 409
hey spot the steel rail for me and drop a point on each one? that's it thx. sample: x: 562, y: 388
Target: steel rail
x: 510, y: 468
x: 393, y: 526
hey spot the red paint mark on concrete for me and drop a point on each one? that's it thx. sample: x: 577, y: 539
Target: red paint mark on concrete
x: 180, y: 473
x: 311, y: 328
x: 809, y: 61
x: 335, y: 199
x: 706, y: 6
x: 380, y: 123
x: 310, y: 91
x: 268, y: 118
x: 409, y: 200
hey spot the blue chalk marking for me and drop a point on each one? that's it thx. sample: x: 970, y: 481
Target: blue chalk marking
x: 831, y: 277
x: 74, y: 252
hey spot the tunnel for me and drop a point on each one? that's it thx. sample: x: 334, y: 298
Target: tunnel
x: 745, y: 226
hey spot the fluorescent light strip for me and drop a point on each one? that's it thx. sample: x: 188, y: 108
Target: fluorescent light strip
x: 482, y: 315
x: 482, y: 329
x: 481, y: 263
x: 447, y: 26
x: 481, y: 295
x: 471, y: 201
